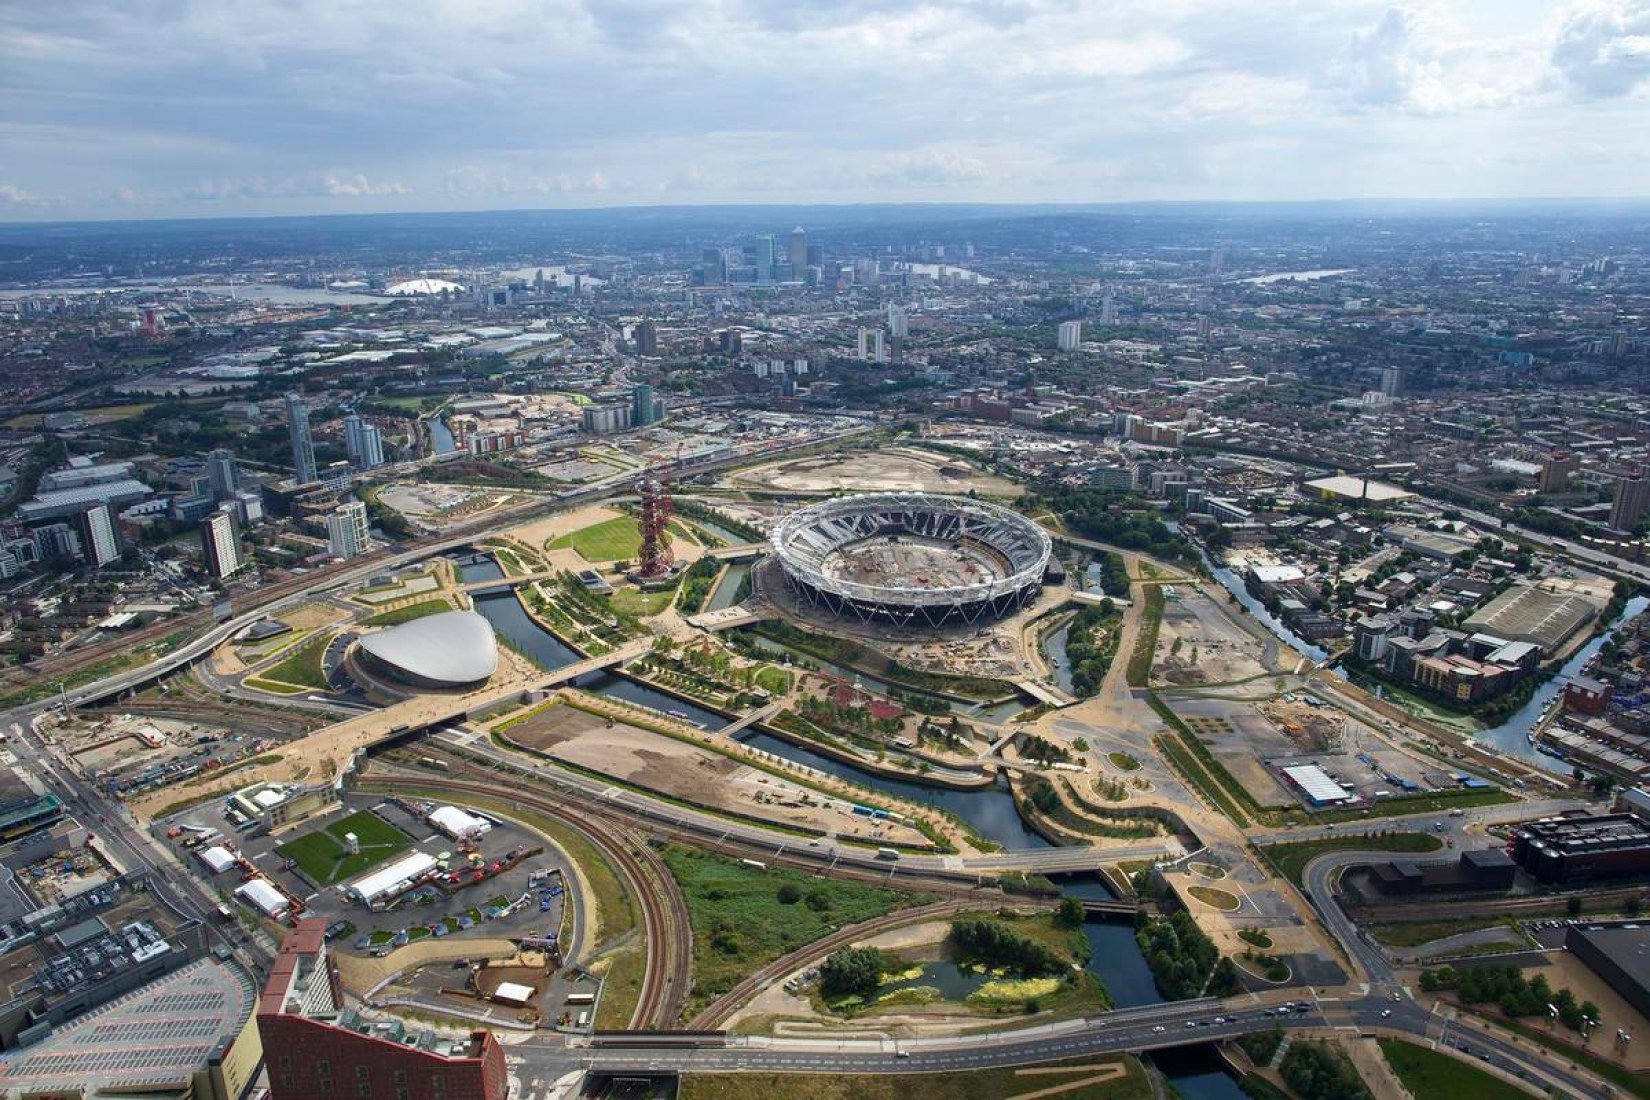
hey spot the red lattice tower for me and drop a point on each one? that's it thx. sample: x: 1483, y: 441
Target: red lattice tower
x: 656, y: 513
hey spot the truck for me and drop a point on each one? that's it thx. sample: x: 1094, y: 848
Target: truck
x: 887, y: 853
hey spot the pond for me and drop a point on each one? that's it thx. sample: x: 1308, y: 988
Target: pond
x: 953, y: 982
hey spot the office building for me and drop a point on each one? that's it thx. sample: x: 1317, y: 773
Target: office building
x: 1631, y: 501
x: 1583, y: 849
x: 303, y: 447
x: 347, y: 530
x: 713, y: 269
x: 100, y: 542
x: 646, y: 406
x: 799, y: 252
x: 646, y: 338
x: 221, y: 545
x: 221, y: 476
x: 364, y: 442
x: 871, y: 347
x: 1070, y: 335
x: 315, y: 1048
x: 760, y: 255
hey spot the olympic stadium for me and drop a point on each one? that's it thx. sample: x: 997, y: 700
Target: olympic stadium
x: 911, y: 558
x: 451, y: 650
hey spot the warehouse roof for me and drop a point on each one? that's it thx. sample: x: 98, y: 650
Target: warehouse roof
x: 1527, y: 613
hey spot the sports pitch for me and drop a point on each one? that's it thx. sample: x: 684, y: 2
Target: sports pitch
x: 610, y: 540
x: 324, y: 858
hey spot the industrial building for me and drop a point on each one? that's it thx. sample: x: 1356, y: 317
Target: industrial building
x: 264, y: 807
x: 1488, y: 870
x: 1620, y: 954
x: 1341, y: 489
x: 1527, y: 613
x: 1316, y: 786
x: 320, y: 1049
x: 1580, y: 849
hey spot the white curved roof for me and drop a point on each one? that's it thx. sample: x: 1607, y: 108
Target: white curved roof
x: 454, y: 647
x: 421, y: 286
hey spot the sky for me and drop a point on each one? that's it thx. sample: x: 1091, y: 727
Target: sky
x: 203, y: 108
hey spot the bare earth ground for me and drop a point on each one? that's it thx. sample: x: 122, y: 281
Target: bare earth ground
x: 1200, y: 644
x: 686, y: 771
x: 880, y: 471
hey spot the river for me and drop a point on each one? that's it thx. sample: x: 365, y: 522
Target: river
x: 1054, y: 654
x: 264, y: 292
x: 1298, y: 276
x: 1197, y: 1073
x: 728, y: 589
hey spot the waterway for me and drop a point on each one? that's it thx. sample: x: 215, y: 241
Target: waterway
x: 1197, y: 1073
x: 725, y: 592
x: 1513, y: 736
x: 265, y: 292
x: 990, y: 812
x: 441, y: 437
x: 1054, y: 655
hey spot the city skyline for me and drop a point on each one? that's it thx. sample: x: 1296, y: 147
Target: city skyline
x: 196, y: 111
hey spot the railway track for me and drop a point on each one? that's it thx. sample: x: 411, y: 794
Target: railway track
x: 668, y: 934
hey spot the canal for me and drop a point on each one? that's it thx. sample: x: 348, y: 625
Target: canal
x: 1197, y: 1073
x: 441, y: 437
x: 728, y: 590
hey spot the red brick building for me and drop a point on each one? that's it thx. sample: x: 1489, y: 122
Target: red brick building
x: 315, y: 1049
x: 1586, y: 695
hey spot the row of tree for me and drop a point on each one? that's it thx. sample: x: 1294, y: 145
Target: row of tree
x: 1508, y: 989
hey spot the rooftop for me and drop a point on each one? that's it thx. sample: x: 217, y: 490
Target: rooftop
x: 454, y: 647
x: 157, y: 1037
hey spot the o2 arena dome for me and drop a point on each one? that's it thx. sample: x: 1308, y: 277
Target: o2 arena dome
x: 451, y: 650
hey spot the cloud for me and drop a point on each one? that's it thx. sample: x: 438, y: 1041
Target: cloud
x: 1603, y: 50
x: 16, y: 196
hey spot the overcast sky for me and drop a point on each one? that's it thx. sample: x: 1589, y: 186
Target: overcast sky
x: 152, y: 108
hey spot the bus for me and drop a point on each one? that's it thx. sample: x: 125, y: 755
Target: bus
x: 581, y: 998
x: 584, y: 1020
x: 887, y: 853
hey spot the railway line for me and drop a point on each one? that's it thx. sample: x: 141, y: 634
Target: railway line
x: 667, y: 932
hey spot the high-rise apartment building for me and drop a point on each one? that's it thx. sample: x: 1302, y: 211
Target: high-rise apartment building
x: 315, y: 1048
x: 100, y: 542
x: 1631, y: 501
x: 1108, y: 309
x: 221, y: 475
x: 364, y: 442
x: 1392, y: 381
x: 646, y: 338
x: 1070, y: 335
x: 221, y: 545
x: 899, y: 321
x: 1556, y: 472
x: 303, y: 447
x: 347, y: 535
x: 871, y: 347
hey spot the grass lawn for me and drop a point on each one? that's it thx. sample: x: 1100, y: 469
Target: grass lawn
x: 773, y: 679
x: 409, y: 613
x: 610, y: 540
x: 1124, y: 760
x: 322, y: 856
x: 1412, y: 933
x: 301, y: 667
x: 1220, y: 899
x: 633, y: 601
x: 739, y: 923
x: 1430, y: 1073
x: 1291, y: 859
x: 986, y: 1084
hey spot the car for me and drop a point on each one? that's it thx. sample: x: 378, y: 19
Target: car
x: 1158, y: 1030
x: 1192, y: 1023
x: 1220, y: 1019
x: 902, y: 1054
x: 1385, y: 1012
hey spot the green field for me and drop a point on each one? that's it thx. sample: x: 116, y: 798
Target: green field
x: 322, y: 856
x: 409, y: 613
x: 1291, y: 859
x: 1428, y: 1073
x: 740, y: 922
x: 301, y: 668
x: 610, y: 540
x: 985, y: 1084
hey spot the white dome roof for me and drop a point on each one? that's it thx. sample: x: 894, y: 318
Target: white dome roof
x: 421, y: 286
x: 454, y: 647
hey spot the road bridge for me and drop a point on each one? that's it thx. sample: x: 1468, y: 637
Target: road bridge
x: 742, y: 552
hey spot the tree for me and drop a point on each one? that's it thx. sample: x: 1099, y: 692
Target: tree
x: 1573, y: 907
x: 851, y: 972
x: 790, y: 894
x: 1071, y: 913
